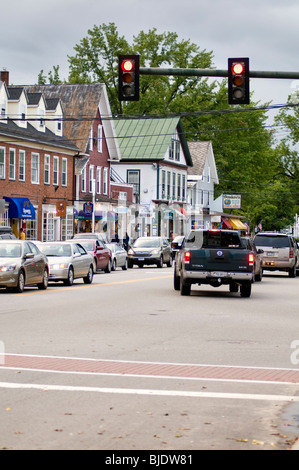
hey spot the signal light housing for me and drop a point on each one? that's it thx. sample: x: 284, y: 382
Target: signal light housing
x: 238, y: 81
x: 128, y: 77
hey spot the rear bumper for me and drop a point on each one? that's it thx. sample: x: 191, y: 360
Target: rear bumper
x: 201, y: 276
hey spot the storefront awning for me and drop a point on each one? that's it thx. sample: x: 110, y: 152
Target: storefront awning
x: 237, y: 224
x: 20, y: 208
x: 225, y: 224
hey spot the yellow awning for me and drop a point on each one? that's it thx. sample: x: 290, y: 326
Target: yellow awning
x: 237, y: 224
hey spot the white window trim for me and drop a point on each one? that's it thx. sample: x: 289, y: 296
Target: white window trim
x: 55, y: 182
x: 99, y: 180
x: 47, y: 160
x: 38, y: 168
x: 64, y: 160
x: 83, y: 180
x: 90, y: 177
x: 105, y: 181
x: 100, y: 138
x: 22, y: 152
x: 4, y: 162
x: 12, y: 166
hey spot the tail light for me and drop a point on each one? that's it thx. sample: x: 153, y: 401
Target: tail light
x: 187, y: 257
x: 291, y: 253
x: 251, y: 259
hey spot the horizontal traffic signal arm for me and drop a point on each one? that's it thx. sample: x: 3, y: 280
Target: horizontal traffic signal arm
x: 215, y: 73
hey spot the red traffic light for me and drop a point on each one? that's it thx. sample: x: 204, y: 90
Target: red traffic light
x: 127, y: 65
x: 237, y: 68
x: 238, y: 81
x: 128, y: 78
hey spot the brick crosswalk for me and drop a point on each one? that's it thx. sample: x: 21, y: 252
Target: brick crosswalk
x: 146, y: 369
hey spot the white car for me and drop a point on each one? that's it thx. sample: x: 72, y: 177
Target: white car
x: 68, y: 261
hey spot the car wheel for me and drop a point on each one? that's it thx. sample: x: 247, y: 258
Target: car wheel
x: 176, y: 280
x: 246, y: 289
x: 44, y: 285
x: 108, y: 268
x: 125, y: 266
x: 21, y: 283
x: 113, y: 267
x: 170, y: 262
x: 161, y: 262
x: 70, y: 278
x: 292, y: 271
x: 89, y: 278
x: 185, y: 288
x: 130, y: 264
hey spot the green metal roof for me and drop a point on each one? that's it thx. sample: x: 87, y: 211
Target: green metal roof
x: 148, y: 139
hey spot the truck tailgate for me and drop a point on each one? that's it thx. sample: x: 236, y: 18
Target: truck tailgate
x: 226, y: 260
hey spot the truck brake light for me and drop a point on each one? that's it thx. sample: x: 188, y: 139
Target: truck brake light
x: 251, y: 259
x: 291, y: 253
x: 187, y: 257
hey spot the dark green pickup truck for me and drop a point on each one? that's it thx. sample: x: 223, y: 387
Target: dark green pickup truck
x: 214, y: 257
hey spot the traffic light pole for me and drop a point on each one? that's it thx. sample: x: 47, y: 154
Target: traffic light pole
x: 215, y: 73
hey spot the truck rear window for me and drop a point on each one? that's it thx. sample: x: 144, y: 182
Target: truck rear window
x: 214, y: 239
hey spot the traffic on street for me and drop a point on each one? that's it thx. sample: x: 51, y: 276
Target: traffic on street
x: 127, y: 362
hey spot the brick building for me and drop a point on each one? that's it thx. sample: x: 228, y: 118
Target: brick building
x: 37, y: 164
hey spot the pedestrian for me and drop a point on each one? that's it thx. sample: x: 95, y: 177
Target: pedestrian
x: 126, y: 241
x: 22, y: 235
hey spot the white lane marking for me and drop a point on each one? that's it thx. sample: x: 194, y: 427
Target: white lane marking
x: 129, y: 391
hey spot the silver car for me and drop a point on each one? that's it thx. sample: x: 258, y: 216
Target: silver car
x: 150, y: 250
x: 22, y: 265
x: 119, y: 256
x: 68, y: 261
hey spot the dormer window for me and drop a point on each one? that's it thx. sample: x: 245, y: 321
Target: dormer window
x: 41, y: 113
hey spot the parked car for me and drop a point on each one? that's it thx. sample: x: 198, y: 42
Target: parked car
x: 68, y: 261
x: 258, y: 262
x: 6, y: 233
x: 22, y: 265
x: 280, y: 252
x: 119, y: 256
x: 150, y: 250
x: 100, y: 252
x: 90, y: 235
x: 177, y: 244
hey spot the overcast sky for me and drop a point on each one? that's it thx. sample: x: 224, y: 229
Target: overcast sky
x: 38, y: 34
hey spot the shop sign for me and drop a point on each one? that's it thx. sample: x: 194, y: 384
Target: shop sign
x: 232, y: 201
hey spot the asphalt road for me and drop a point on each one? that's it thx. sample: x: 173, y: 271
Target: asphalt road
x: 119, y: 365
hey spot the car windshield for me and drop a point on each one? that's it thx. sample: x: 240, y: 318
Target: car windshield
x: 55, y: 249
x: 88, y: 245
x: 273, y: 241
x: 147, y: 243
x: 10, y: 250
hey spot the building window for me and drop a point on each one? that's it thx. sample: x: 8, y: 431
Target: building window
x: 22, y: 165
x: 2, y: 163
x: 105, y: 181
x: 173, y: 186
x: 168, y: 184
x: 35, y: 168
x: 12, y: 164
x: 133, y: 177
x: 179, y: 187
x: 174, y: 149
x: 47, y: 164
x: 64, y: 172
x: 91, y: 177
x: 184, y: 187
x: 163, y: 184
x: 55, y: 171
x: 100, y: 139
x: 99, y: 170
x: 91, y: 140
x: 83, y: 180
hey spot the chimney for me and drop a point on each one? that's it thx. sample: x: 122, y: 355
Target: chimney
x: 4, y: 76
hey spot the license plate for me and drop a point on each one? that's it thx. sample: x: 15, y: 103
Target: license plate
x: 218, y: 274
x: 270, y: 253
x: 140, y: 259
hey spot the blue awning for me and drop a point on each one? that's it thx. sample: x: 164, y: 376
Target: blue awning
x: 20, y: 208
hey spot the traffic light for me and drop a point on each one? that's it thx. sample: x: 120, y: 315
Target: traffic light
x: 128, y: 77
x: 238, y: 81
